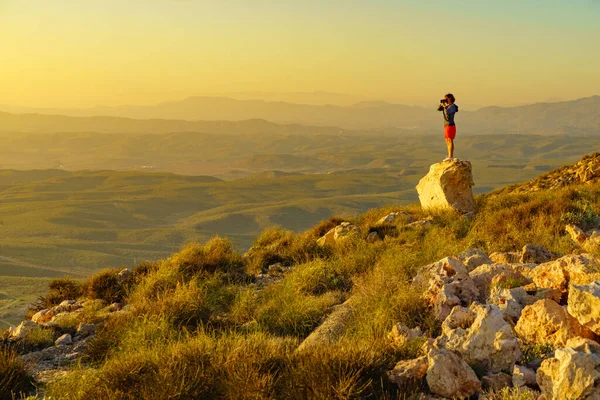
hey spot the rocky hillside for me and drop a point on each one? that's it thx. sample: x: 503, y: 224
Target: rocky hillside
x: 500, y: 303
x: 586, y: 171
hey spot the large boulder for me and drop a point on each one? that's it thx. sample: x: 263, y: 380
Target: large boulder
x: 584, y: 304
x: 482, y: 337
x: 573, y: 373
x: 548, y: 322
x: 446, y: 284
x: 571, y: 269
x: 449, y: 376
x: 447, y: 186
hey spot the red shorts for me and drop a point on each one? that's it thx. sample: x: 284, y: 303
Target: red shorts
x: 450, y: 132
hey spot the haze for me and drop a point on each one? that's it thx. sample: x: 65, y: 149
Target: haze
x: 81, y: 54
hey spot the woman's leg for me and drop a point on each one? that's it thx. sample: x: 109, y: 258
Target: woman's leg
x: 450, y: 145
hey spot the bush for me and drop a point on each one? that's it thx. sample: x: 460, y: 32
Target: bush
x: 14, y: 380
x: 106, y: 285
x: 325, y: 226
x: 216, y: 255
x: 59, y: 289
x: 276, y: 245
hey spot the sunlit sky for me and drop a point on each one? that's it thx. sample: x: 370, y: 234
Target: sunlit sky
x: 80, y: 53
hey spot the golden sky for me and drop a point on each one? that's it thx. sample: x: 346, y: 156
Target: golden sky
x: 81, y: 53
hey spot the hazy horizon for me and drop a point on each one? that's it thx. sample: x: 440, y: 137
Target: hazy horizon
x: 77, y: 55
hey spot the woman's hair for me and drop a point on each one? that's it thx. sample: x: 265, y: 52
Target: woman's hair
x: 451, y: 97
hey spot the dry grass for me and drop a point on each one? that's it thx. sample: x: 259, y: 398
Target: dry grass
x: 14, y: 379
x: 200, y: 329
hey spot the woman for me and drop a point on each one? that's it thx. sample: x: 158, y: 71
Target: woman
x: 449, y: 108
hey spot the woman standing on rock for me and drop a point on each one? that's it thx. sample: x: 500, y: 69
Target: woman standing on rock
x: 449, y: 108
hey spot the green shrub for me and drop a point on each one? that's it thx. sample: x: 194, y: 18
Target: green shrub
x: 14, y: 379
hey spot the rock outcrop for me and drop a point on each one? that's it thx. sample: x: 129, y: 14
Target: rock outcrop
x: 447, y: 284
x: 586, y: 171
x: 449, y: 376
x: 573, y: 373
x: 570, y: 269
x: 589, y: 241
x: 447, y: 186
x: 482, y: 337
x: 584, y: 305
x: 548, y: 322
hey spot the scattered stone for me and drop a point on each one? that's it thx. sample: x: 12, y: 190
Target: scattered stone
x: 496, y: 382
x: 63, y: 340
x: 401, y: 334
x: 584, y: 304
x: 392, y: 217
x: 510, y: 302
x: 115, y: 307
x: 579, y: 269
x: 67, y: 306
x: 124, y: 274
x: 43, y: 316
x: 343, y: 230
x: 332, y: 328
x: 473, y: 258
x: 420, y: 224
x: 373, y: 237
x: 275, y: 269
x: 505, y: 258
x: 485, y: 276
x: 547, y: 322
x: 488, y: 343
x: 85, y: 330
x: 47, y: 363
x: 535, y: 254
x: 409, y: 372
x: 523, y: 376
x: 584, y: 344
x: 571, y: 374
x: 447, y: 284
x: 23, y: 329
x: 46, y: 315
x: 588, y: 241
x: 449, y: 376
x: 447, y: 185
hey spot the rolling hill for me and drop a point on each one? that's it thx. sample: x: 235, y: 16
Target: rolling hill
x: 575, y: 117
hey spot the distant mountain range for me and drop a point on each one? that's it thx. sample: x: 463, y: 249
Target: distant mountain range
x: 577, y: 117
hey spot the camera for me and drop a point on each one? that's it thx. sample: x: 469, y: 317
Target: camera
x: 443, y: 101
